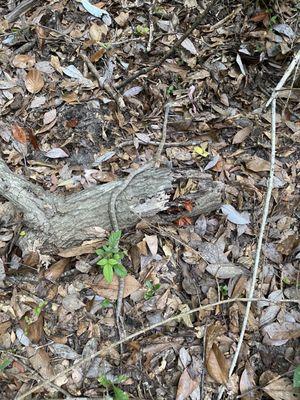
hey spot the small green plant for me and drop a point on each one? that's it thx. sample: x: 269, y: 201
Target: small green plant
x: 224, y: 290
x: 37, y: 310
x: 4, y: 364
x: 151, y: 289
x: 111, y: 258
x: 111, y: 385
x: 170, y: 90
x: 106, y: 303
x: 142, y: 30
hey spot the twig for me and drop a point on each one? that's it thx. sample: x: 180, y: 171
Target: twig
x: 260, y: 240
x: 151, y: 26
x: 168, y: 144
x: 178, y: 42
x: 108, y: 88
x: 285, y: 77
x: 22, y: 8
x: 164, y: 134
x: 103, y: 351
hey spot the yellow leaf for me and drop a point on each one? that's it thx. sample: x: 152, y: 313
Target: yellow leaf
x: 200, y: 151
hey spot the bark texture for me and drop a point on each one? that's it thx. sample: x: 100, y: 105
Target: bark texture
x: 58, y: 222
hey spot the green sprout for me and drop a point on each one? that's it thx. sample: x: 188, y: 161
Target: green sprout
x: 141, y: 30
x: 151, y: 289
x: 111, y: 257
x: 110, y: 385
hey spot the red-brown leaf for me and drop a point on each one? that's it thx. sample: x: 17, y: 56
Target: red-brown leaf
x: 19, y: 133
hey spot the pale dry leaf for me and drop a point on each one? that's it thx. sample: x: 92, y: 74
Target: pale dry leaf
x: 188, y: 45
x: 56, y: 153
x: 186, y: 385
x: 235, y: 216
x: 122, y: 18
x: 110, y: 290
x: 96, y: 32
x: 241, y: 135
x: 23, y: 61
x: 152, y: 243
x: 40, y: 361
x: 34, y: 81
x: 226, y: 270
x: 54, y: 61
x: 72, y: 303
x: 281, y: 389
x: 87, y: 247
x: 49, y: 116
x: 63, y: 351
x: 258, y: 164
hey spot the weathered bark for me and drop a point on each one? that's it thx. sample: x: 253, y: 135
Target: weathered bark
x: 60, y: 222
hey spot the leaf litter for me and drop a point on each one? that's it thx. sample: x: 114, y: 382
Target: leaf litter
x: 61, y: 129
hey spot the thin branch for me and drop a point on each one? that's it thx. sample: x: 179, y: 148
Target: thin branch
x: 164, y: 134
x: 285, y: 77
x: 145, y: 70
x: 106, y: 86
x: 167, y: 144
x: 103, y: 351
x: 21, y: 8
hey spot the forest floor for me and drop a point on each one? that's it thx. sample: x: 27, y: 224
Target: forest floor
x: 64, y: 131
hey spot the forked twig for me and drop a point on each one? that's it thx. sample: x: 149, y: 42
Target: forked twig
x: 103, y: 351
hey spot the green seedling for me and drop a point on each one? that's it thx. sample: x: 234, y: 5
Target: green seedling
x: 111, y: 257
x: 170, y: 90
x: 111, y: 385
x: 4, y: 364
x: 151, y: 289
x: 224, y: 290
x: 37, y: 310
x: 142, y: 30
x: 106, y: 303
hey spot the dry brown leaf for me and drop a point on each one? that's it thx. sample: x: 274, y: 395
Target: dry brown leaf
x: 23, y: 61
x: 35, y: 330
x: 216, y: 365
x: 56, y: 269
x: 40, y: 361
x: 31, y: 259
x: 19, y: 133
x: 241, y: 135
x: 110, y: 290
x: 258, y: 164
x: 34, y: 81
x: 278, y: 389
x: 49, y: 116
x: 186, y: 385
x: 122, y: 18
x: 86, y: 248
x: 95, y: 57
x: 54, y: 61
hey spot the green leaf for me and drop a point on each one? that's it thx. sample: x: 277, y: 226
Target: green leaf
x: 111, y: 261
x: 104, y: 381
x: 114, y: 238
x: 105, y: 303
x: 103, y: 262
x: 120, y: 379
x: 120, y: 270
x: 99, y: 252
x: 119, y: 394
x: 296, y: 378
x: 5, y: 363
x: 108, y: 273
x: 149, y: 284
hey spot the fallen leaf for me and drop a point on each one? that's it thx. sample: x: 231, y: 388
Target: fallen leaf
x: 34, y: 81
x: 234, y: 216
x: 247, y: 383
x: 133, y: 91
x: 277, y: 389
x: 40, y: 361
x: 49, y: 116
x: 63, y: 351
x: 186, y: 385
x: 19, y: 133
x: 110, y: 290
x: 182, y: 221
x: 122, y: 18
x: 56, y: 153
x: 56, y: 270
x: 188, y: 45
x: 23, y: 61
x: 152, y: 243
x: 216, y: 365
x: 258, y: 164
x: 241, y: 135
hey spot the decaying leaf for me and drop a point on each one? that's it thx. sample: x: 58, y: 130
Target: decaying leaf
x: 216, y: 365
x: 19, y: 133
x: 278, y: 388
